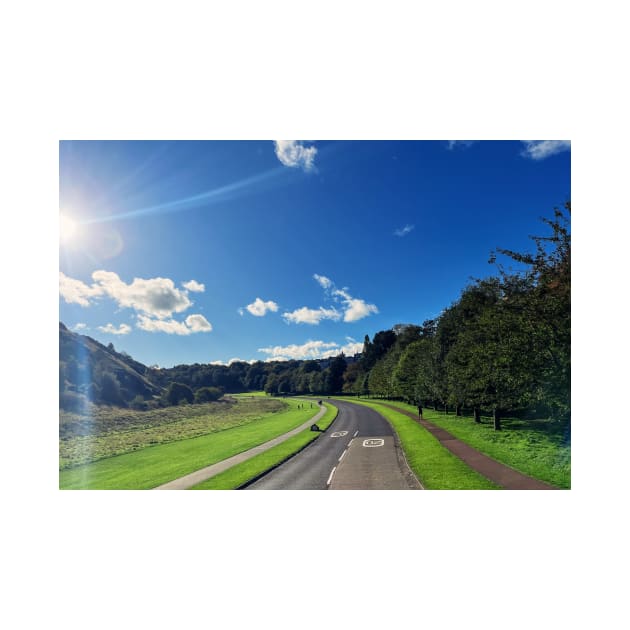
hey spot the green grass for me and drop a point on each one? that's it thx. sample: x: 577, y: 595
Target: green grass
x: 109, y: 431
x: 252, y: 395
x: 244, y: 472
x: 538, y: 448
x: 155, y: 465
x: 435, y: 466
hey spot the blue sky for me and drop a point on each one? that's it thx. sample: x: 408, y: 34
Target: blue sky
x: 184, y: 252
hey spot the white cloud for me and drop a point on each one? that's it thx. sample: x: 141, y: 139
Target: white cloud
x: 123, y: 329
x: 77, y: 292
x: 352, y: 348
x: 355, y: 309
x: 198, y: 323
x: 80, y: 326
x: 241, y: 311
x: 293, y: 153
x: 308, y: 350
x: 259, y: 308
x: 193, y: 285
x: 311, y: 350
x: 157, y: 297
x: 358, y: 309
x: 307, y: 315
x: 323, y: 281
x: 192, y: 324
x: 541, y: 149
x: 404, y: 231
x: 233, y: 360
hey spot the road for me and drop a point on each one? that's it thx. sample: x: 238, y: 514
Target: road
x: 358, y: 451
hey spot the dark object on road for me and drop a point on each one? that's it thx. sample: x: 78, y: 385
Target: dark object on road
x: 420, y: 410
x: 319, y: 402
x: 314, y: 427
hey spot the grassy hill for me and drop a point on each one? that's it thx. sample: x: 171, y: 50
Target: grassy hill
x: 92, y: 372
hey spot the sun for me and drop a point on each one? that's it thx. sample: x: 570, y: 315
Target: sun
x: 68, y: 227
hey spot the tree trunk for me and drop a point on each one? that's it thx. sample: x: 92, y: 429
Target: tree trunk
x: 458, y: 410
x: 477, y: 415
x: 496, y: 417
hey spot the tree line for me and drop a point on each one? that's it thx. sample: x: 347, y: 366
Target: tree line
x: 503, y: 346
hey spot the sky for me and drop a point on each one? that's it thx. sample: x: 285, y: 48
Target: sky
x: 182, y: 252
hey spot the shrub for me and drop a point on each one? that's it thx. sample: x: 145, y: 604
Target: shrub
x: 139, y: 403
x: 177, y: 391
x: 208, y: 394
x: 71, y: 401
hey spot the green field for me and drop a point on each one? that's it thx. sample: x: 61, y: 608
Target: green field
x: 435, y: 467
x: 538, y: 448
x: 244, y: 472
x: 151, y: 466
x: 109, y: 431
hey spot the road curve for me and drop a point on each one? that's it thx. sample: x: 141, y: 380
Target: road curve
x: 359, y: 451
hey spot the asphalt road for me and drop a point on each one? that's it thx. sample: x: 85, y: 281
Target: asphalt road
x: 358, y: 451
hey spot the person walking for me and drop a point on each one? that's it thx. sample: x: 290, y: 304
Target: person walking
x: 419, y: 410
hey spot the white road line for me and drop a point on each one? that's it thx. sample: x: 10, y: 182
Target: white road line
x: 355, y: 433
x: 332, y: 472
x: 342, y: 454
x: 350, y: 442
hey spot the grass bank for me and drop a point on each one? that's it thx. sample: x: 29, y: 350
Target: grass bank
x: 108, y: 431
x: 435, y: 467
x: 538, y: 448
x: 152, y: 466
x: 244, y: 472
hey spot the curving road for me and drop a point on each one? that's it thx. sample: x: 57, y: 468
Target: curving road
x: 359, y: 451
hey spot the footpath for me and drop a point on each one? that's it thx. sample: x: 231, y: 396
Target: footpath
x: 500, y: 474
x: 188, y: 481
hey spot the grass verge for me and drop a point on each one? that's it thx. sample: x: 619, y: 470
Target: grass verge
x: 538, y: 448
x: 246, y: 471
x: 155, y: 465
x: 435, y: 467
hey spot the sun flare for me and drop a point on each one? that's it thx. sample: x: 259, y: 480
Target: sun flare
x: 67, y: 227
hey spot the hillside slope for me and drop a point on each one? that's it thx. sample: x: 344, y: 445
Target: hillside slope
x: 90, y: 371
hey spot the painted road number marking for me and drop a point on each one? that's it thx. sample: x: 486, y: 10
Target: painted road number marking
x: 374, y: 442
x: 338, y: 434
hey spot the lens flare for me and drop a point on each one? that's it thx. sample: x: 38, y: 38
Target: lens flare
x: 67, y: 227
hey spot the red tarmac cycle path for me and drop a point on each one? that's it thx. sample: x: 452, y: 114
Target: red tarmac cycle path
x: 500, y: 474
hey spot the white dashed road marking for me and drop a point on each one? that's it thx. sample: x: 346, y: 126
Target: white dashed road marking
x: 332, y: 472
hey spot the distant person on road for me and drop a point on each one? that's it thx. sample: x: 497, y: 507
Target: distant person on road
x: 419, y: 410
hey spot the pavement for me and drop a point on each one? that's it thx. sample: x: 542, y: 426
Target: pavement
x: 499, y: 473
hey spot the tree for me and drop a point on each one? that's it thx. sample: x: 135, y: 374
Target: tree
x: 177, y: 392
x: 548, y: 309
x: 208, y: 394
x: 271, y: 385
x: 333, y: 382
x: 109, y: 388
x: 405, y: 375
x: 351, y: 377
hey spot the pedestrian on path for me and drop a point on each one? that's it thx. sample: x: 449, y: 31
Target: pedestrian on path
x: 419, y: 410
